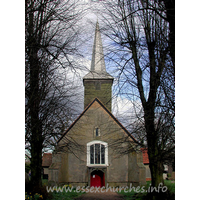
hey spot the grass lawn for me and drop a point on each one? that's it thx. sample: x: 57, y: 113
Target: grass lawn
x: 136, y: 193
x: 170, y: 185
x: 53, y: 193
x: 64, y: 195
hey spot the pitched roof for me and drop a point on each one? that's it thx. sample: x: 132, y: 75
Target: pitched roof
x: 98, y: 75
x: 145, y: 155
x: 46, y: 159
x: 102, y: 105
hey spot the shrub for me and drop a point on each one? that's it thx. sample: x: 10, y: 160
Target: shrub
x: 36, y: 193
x: 36, y: 196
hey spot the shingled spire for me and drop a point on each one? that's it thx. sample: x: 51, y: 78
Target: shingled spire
x: 98, y: 83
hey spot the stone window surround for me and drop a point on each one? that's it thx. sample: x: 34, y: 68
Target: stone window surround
x: 95, y: 131
x: 88, y: 153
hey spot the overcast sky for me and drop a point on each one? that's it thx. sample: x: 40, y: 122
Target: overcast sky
x: 122, y: 107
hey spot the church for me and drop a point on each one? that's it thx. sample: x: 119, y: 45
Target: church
x: 97, y: 150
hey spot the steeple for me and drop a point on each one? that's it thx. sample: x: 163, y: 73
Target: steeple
x: 98, y: 83
x: 98, y: 68
x: 98, y: 63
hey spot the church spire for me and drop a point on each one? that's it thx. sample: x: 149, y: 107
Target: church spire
x: 98, y: 63
x: 98, y: 82
x: 98, y: 68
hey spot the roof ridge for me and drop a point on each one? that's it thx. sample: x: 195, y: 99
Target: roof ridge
x: 109, y: 112
x: 76, y: 120
x: 119, y: 123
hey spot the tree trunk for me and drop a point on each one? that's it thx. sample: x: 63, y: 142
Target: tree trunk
x: 36, y: 126
x: 156, y: 171
x: 36, y: 162
x: 34, y: 102
x: 36, y: 132
x: 156, y: 166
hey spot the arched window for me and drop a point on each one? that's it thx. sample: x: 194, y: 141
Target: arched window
x: 97, y: 153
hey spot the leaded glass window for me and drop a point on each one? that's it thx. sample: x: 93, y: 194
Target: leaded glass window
x: 92, y: 154
x: 97, y: 154
x: 102, y: 154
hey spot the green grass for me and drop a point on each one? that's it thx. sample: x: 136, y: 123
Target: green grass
x: 44, y: 182
x: 64, y: 195
x: 170, y: 185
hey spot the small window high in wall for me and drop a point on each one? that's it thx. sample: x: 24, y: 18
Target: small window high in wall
x: 97, y: 153
x: 96, y: 132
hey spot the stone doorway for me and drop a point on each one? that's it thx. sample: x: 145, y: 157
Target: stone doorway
x: 97, y: 178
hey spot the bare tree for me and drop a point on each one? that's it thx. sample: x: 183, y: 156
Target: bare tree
x: 141, y: 50
x: 51, y: 38
x: 170, y: 17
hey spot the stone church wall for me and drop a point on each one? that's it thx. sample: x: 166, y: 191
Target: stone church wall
x: 72, y: 164
x: 102, y: 91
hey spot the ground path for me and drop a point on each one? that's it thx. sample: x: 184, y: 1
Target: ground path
x: 100, y: 196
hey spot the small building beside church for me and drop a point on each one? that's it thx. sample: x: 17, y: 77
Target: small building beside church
x: 46, y: 162
x: 96, y: 149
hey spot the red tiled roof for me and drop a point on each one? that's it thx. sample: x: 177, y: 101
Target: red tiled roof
x: 46, y: 159
x: 145, y: 156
